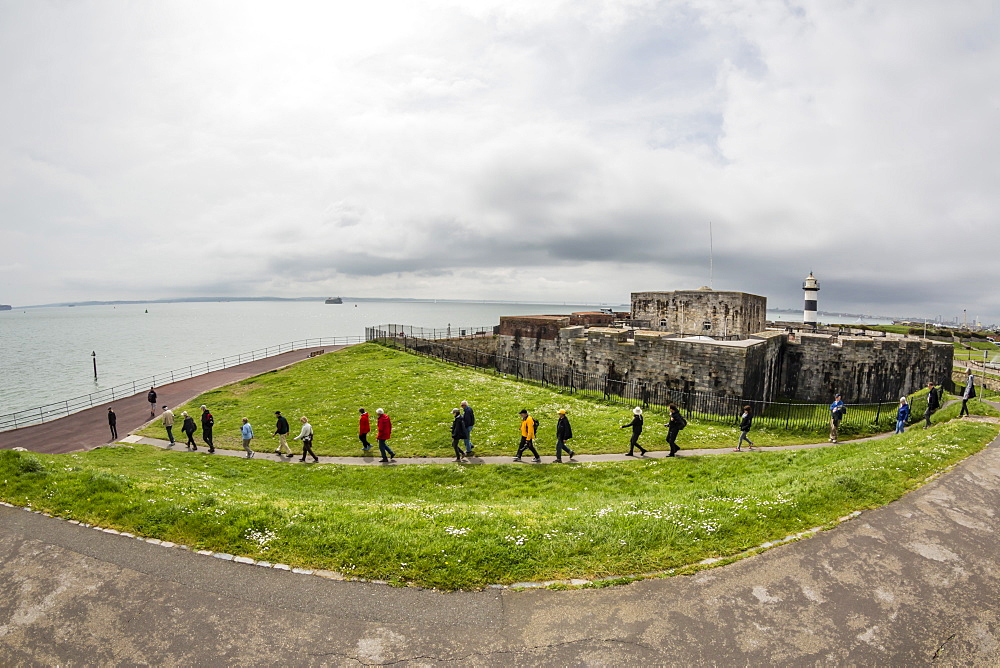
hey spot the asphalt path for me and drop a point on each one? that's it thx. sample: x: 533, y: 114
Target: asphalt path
x: 88, y: 429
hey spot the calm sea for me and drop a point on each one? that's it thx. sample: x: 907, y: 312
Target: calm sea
x: 45, y: 353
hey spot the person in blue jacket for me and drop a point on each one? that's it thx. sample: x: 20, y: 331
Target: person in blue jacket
x: 902, y: 415
x: 247, y: 433
x: 837, y: 410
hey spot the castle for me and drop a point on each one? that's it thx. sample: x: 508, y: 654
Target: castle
x: 718, y: 342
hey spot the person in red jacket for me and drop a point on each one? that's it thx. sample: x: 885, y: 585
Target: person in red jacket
x: 383, y: 431
x: 364, y: 428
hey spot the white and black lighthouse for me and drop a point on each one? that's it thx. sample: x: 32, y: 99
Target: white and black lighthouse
x: 810, y: 287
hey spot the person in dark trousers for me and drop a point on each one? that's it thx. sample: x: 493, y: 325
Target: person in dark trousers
x: 902, y: 415
x: 746, y: 420
x: 837, y: 410
x: 636, y: 425
x: 470, y: 421
x: 151, y: 398
x: 113, y: 423
x: 383, y: 432
x: 281, y: 430
x: 188, y: 428
x: 676, y: 423
x: 364, y: 428
x: 168, y: 423
x: 968, y: 393
x: 306, y: 436
x: 564, y: 432
x: 933, y: 403
x: 459, y: 432
x: 207, y: 422
x: 527, y: 437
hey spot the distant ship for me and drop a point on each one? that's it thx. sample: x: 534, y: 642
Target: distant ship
x: 5, y: 307
x: 334, y: 300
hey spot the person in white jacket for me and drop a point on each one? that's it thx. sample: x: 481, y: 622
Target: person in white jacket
x: 306, y: 436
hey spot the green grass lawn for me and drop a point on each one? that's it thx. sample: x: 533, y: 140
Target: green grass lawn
x: 418, y: 393
x: 458, y: 526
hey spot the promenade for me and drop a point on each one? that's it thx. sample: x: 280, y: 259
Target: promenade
x: 89, y: 428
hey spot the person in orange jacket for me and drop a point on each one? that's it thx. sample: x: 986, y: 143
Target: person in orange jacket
x: 527, y: 437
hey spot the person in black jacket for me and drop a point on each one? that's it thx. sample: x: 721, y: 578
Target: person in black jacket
x: 564, y: 432
x: 745, y: 421
x: 281, y: 430
x: 676, y: 423
x: 207, y: 422
x: 113, y: 423
x: 933, y: 403
x: 151, y: 398
x: 636, y: 425
x: 459, y: 432
x: 189, y: 429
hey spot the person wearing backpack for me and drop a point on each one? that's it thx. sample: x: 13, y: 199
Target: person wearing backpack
x: 636, y: 425
x: 837, y: 410
x: 207, y: 423
x: 674, y: 425
x: 528, y: 427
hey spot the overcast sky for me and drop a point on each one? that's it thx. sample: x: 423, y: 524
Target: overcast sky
x: 566, y: 151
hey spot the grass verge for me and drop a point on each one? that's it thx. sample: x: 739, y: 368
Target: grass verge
x: 454, y: 527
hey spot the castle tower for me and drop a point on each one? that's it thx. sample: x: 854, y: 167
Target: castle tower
x: 810, y: 287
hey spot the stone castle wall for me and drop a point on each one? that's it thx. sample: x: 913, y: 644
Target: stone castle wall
x: 731, y: 315
x: 817, y: 366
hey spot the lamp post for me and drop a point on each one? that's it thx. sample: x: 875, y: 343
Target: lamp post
x: 94, y: 355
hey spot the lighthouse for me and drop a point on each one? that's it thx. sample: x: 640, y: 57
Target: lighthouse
x: 810, y: 287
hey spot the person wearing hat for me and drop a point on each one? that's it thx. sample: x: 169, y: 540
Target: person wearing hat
x: 189, y: 429
x: 281, y: 430
x: 564, y: 432
x: 837, y: 410
x: 528, y: 426
x: 168, y: 423
x: 636, y: 425
x: 459, y: 432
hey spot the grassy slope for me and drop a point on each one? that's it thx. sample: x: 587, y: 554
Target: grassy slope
x: 419, y: 393
x: 457, y: 526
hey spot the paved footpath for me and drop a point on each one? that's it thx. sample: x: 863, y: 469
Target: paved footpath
x: 914, y: 583
x: 89, y: 428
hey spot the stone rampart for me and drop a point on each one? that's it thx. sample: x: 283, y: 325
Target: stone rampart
x: 817, y: 366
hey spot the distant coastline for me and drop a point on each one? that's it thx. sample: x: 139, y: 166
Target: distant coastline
x: 185, y: 300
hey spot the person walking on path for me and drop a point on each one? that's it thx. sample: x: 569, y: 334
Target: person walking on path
x: 746, y: 420
x: 470, y: 421
x: 113, y: 423
x: 968, y: 393
x: 281, y: 430
x: 364, y: 428
x: 207, y: 422
x: 246, y: 431
x: 676, y: 423
x: 459, y: 432
x: 837, y: 410
x: 528, y: 427
x: 383, y: 432
x: 933, y: 403
x: 151, y: 398
x: 902, y: 415
x: 189, y: 429
x: 564, y: 432
x: 636, y: 425
x: 306, y: 436
x: 168, y: 422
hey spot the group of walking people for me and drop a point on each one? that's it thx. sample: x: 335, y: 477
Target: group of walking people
x: 464, y: 420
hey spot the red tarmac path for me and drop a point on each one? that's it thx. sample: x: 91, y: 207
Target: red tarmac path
x: 89, y: 428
